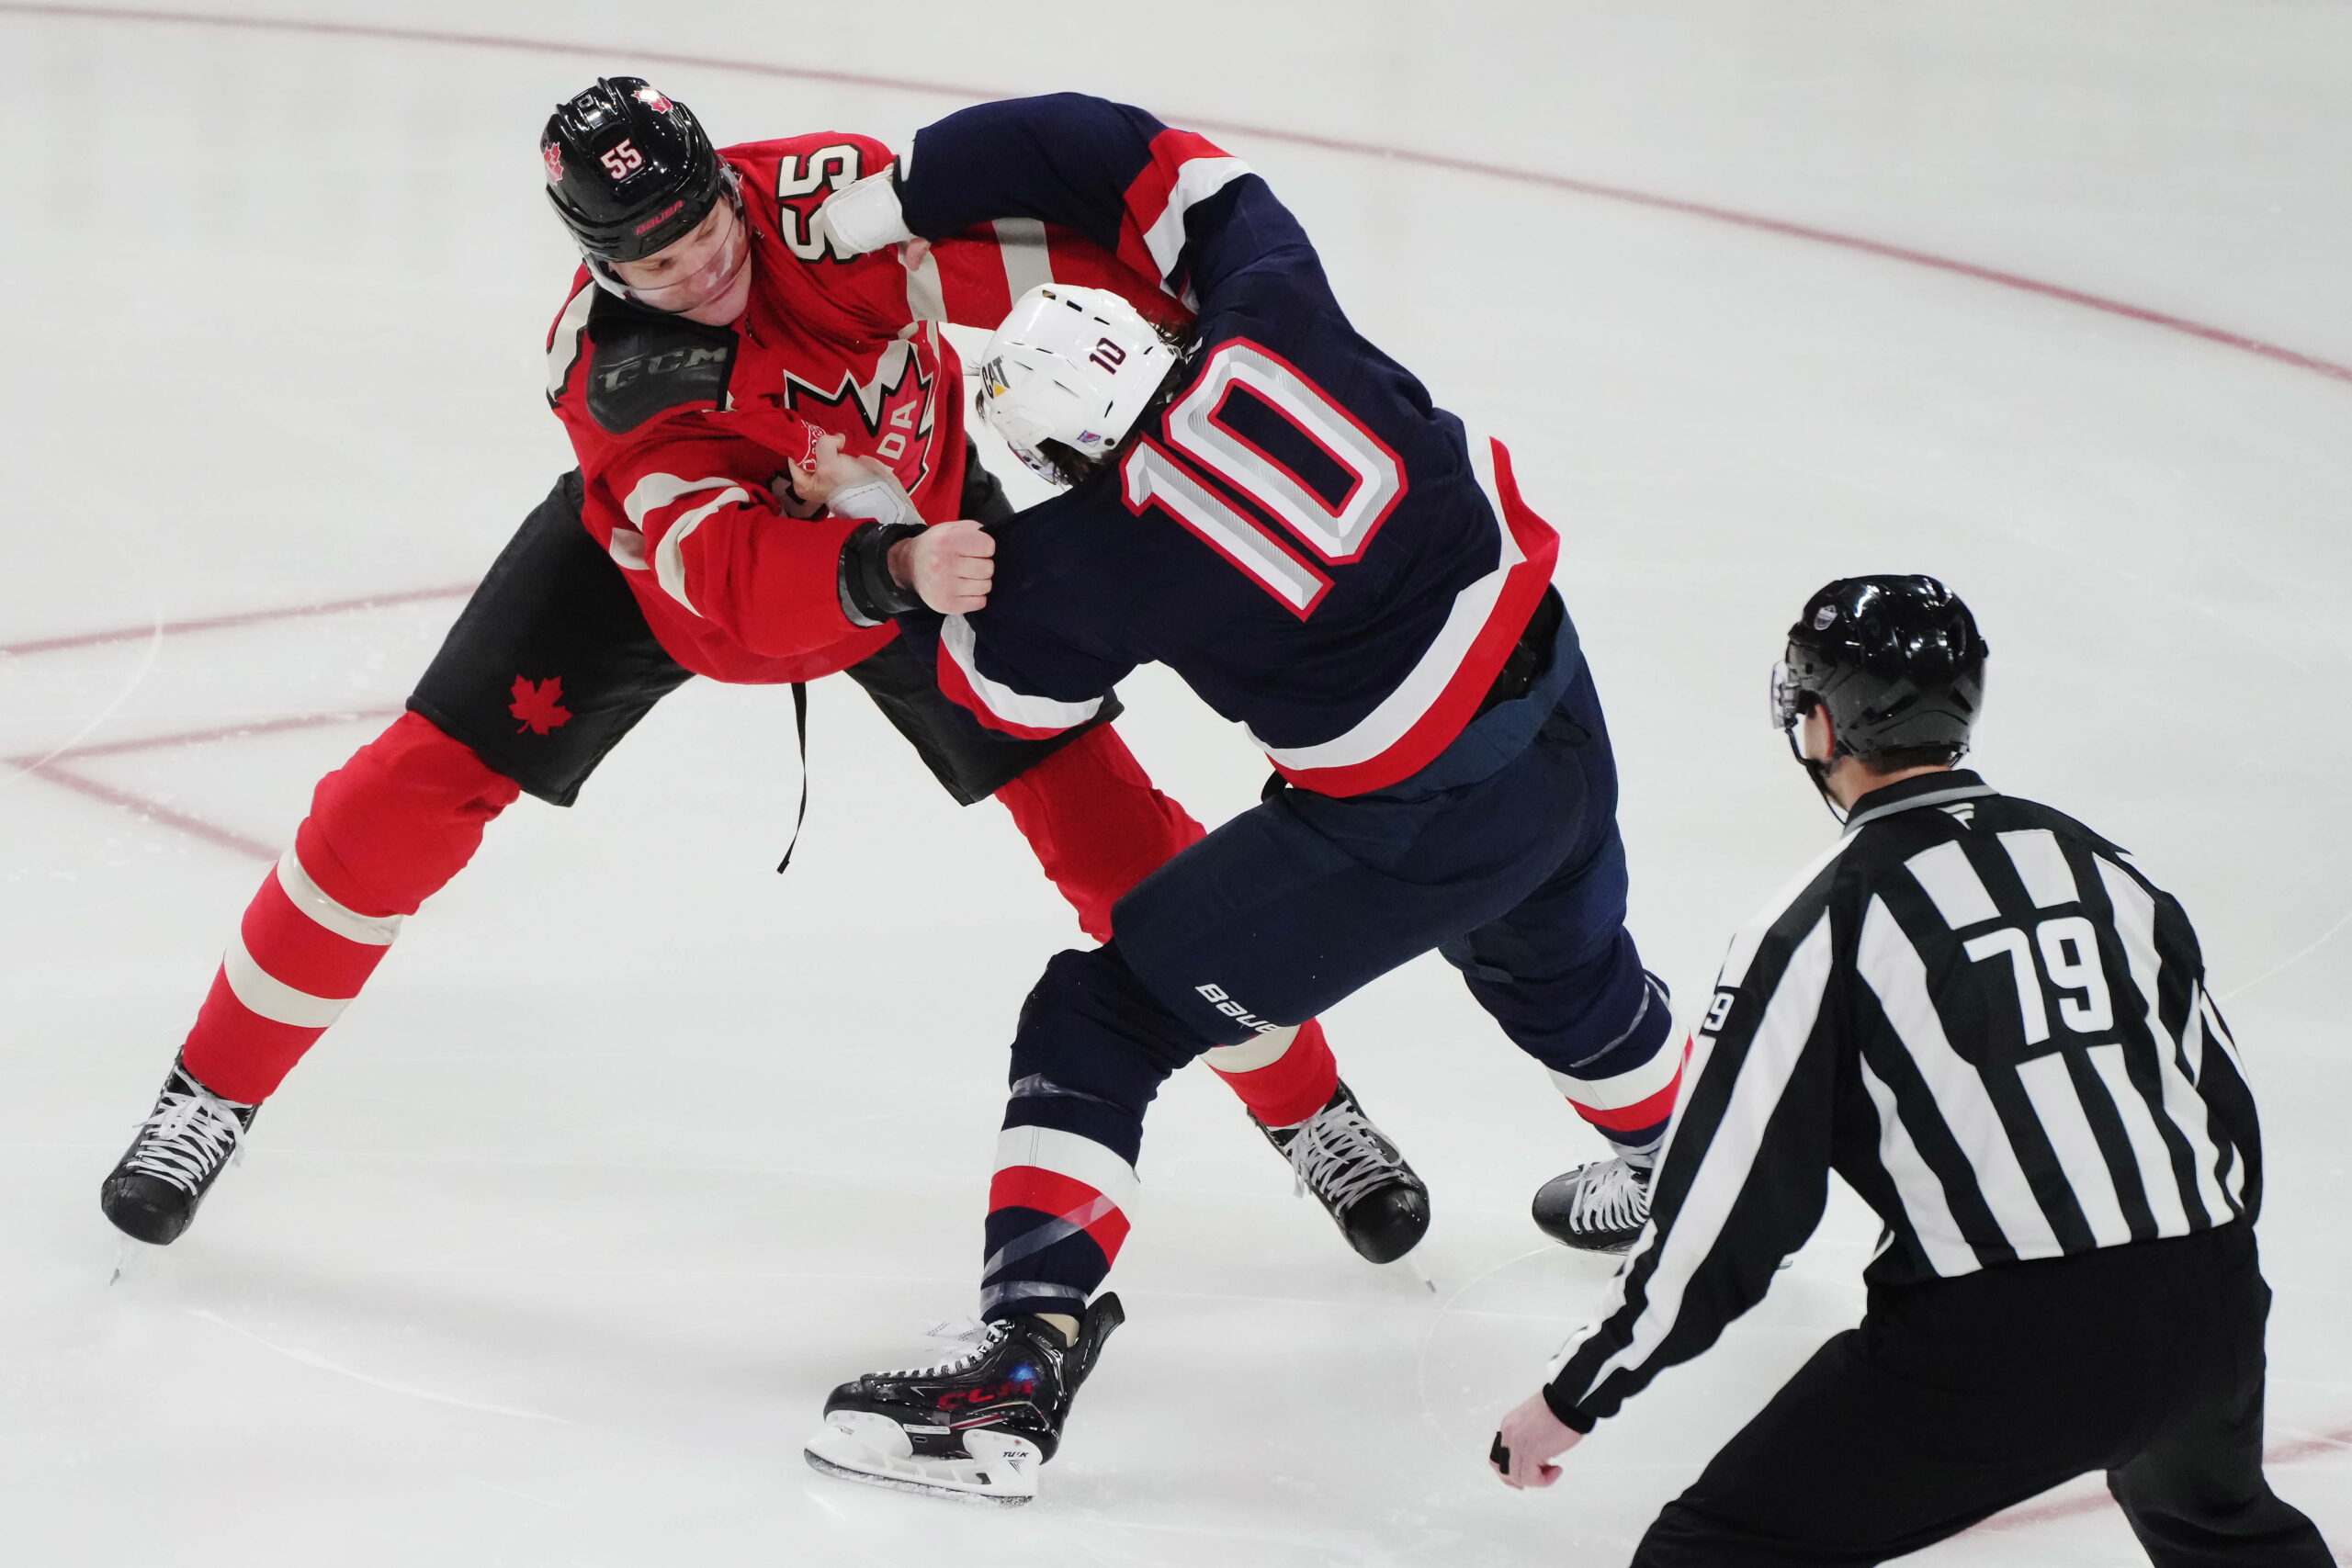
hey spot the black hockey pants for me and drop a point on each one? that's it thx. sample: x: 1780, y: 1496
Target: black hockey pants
x: 1956, y: 1398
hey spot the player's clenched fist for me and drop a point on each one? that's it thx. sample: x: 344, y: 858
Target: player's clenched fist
x: 949, y: 566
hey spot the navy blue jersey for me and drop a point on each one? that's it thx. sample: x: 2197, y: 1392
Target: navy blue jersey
x: 1323, y: 555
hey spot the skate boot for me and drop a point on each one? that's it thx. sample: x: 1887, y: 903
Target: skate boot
x: 1362, y: 1182
x: 974, y: 1427
x: 153, y: 1192
x: 1600, y: 1207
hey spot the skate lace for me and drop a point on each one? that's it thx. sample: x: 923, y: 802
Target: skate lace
x: 1614, y: 1197
x: 1339, y: 1154
x: 972, y: 1339
x: 186, y: 1139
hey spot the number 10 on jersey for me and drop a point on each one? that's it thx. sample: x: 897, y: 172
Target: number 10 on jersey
x: 1333, y: 534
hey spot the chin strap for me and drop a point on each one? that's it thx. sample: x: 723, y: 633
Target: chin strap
x: 1819, y: 774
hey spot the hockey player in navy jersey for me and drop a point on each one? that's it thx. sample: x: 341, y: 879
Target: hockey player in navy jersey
x: 1275, y: 510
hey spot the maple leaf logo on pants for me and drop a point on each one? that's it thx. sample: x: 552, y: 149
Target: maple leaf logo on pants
x: 539, y: 705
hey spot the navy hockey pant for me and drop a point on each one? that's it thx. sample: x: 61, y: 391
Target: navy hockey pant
x: 1518, y: 877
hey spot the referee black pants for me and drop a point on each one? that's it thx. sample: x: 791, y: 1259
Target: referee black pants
x: 1956, y: 1398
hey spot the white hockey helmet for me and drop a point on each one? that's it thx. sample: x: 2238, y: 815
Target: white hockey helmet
x: 1073, y: 366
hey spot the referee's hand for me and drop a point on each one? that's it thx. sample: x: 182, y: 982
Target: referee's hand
x: 1530, y: 1438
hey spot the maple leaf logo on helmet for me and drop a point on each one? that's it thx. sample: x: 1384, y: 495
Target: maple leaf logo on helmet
x: 551, y: 154
x: 651, y: 96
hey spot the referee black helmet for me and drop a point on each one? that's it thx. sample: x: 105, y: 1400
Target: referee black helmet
x: 1896, y: 662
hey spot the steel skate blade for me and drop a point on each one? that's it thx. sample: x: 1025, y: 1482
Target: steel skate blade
x: 860, y: 1445
x: 1413, y: 1269
x: 130, y: 1255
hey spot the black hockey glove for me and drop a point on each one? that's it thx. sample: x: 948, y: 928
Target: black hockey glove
x: 870, y: 595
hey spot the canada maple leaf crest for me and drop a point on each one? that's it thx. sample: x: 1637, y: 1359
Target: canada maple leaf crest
x: 539, y: 705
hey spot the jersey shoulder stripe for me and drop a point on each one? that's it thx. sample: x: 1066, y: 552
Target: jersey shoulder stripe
x: 1186, y: 169
x: 567, y: 337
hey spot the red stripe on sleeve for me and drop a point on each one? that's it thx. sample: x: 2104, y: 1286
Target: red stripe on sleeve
x: 1147, y: 198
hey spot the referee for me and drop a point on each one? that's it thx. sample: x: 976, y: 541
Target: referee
x: 1988, y: 1020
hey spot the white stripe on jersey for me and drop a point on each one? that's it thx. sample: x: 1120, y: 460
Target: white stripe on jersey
x: 1916, y: 1187
x: 2042, y: 866
x: 2148, y: 1151
x: 1724, y: 1167
x: 563, y: 349
x: 655, y: 491
x: 1197, y: 179
x: 1401, y: 709
x: 2049, y: 1086
x: 1015, y: 707
x: 2135, y: 923
x: 1958, y: 892
x: 1891, y: 968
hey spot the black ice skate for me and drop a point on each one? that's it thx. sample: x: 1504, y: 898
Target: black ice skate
x: 974, y: 1427
x: 1362, y: 1181
x: 1600, y: 1207
x: 153, y: 1192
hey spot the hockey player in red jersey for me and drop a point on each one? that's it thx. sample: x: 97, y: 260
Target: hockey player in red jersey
x: 715, y: 344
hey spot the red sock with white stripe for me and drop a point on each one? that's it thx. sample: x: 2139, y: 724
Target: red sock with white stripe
x: 386, y: 830
x: 1098, y: 827
x: 1631, y: 1107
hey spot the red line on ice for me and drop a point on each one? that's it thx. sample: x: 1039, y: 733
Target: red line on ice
x: 223, y: 732
x: 49, y: 767
x: 242, y: 619
x: 1732, y: 216
x: 153, y: 810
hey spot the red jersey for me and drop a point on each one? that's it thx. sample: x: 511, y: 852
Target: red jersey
x: 683, y: 431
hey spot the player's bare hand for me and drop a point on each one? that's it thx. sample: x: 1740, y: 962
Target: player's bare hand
x: 825, y: 469
x: 1530, y: 1438
x: 949, y: 566
x: 913, y: 251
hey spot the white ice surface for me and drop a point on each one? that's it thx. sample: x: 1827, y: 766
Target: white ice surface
x: 549, y: 1252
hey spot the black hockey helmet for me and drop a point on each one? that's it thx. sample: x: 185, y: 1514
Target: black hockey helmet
x: 628, y: 170
x: 1897, y: 662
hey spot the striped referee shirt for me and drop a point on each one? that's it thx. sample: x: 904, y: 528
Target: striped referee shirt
x: 1987, y: 1021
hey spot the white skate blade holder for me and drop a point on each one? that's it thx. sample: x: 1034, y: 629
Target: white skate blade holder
x: 858, y: 1445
